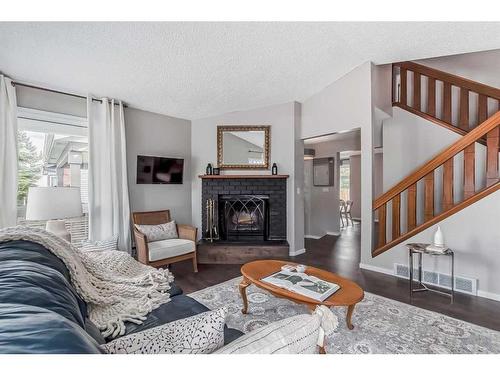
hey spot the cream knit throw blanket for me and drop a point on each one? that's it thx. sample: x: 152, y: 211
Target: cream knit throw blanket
x: 116, y: 288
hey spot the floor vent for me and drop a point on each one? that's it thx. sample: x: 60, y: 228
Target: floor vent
x: 462, y: 284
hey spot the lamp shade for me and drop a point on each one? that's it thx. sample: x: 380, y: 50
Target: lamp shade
x: 50, y: 203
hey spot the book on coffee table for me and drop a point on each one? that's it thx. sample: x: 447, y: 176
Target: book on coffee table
x: 301, y: 283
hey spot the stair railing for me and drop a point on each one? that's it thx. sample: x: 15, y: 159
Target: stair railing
x: 389, y: 204
x: 443, y: 98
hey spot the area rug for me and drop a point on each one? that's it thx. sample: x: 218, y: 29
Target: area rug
x: 381, y: 325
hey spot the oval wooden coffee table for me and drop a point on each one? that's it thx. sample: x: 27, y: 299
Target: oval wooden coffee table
x: 348, y: 295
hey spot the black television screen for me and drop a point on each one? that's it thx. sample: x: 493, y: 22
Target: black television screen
x: 158, y: 170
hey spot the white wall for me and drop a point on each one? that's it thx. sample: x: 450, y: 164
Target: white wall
x: 158, y: 135
x: 286, y: 149
x: 477, y: 66
x: 410, y: 141
x: 51, y: 102
x: 347, y: 104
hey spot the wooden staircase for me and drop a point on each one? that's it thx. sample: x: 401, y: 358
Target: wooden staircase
x: 475, y: 116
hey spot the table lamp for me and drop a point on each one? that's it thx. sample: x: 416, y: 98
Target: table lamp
x: 54, y: 204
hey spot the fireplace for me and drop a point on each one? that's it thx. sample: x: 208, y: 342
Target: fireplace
x: 261, y: 201
x: 243, y: 218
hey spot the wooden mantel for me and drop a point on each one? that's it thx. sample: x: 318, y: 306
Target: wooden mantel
x: 237, y: 176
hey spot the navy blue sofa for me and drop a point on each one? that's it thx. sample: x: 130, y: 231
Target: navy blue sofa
x: 40, y: 312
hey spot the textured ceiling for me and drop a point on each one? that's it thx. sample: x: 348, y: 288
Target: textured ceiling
x: 194, y: 70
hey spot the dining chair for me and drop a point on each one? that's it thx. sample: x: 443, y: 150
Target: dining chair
x: 342, y: 207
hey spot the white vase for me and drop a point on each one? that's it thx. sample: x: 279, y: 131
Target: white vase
x: 439, y: 237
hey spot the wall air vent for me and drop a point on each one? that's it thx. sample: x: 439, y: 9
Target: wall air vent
x: 462, y: 284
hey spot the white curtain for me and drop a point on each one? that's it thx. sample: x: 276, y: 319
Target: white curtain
x: 109, y: 210
x: 8, y: 153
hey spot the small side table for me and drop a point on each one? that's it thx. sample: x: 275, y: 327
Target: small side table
x: 420, y: 249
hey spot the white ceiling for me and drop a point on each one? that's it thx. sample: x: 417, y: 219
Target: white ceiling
x: 195, y: 70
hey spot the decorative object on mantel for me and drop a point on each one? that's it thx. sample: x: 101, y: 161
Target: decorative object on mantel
x: 209, y: 170
x: 211, y: 231
x: 438, y: 245
x: 216, y: 171
x: 243, y: 147
x: 274, y: 169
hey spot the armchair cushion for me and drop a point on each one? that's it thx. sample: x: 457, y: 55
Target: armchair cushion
x: 159, y: 250
x: 158, y: 232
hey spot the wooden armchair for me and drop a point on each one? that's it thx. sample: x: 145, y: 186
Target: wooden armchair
x: 164, y: 252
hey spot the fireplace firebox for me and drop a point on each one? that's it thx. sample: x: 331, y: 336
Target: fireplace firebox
x: 244, y: 217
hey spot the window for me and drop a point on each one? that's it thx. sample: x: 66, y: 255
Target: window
x: 53, y: 151
x: 345, y: 179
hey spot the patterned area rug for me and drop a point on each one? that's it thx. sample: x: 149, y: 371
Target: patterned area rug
x: 381, y: 325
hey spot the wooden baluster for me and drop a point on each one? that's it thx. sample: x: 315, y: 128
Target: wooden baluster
x: 469, y: 171
x: 431, y: 97
x: 412, y: 207
x: 463, y: 121
x: 482, y: 111
x: 492, y: 147
x: 403, y: 94
x: 381, y: 225
x: 416, y: 91
x: 429, y: 196
x: 447, y: 199
x: 483, y: 108
x: 396, y: 217
x: 447, y: 102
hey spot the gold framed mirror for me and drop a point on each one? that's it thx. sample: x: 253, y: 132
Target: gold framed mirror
x: 243, y: 147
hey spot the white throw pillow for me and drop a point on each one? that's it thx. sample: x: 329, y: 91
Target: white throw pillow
x: 300, y: 334
x: 107, y: 244
x: 198, y: 334
x: 159, y: 232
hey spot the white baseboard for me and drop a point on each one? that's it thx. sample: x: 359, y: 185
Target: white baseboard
x: 386, y: 271
x: 369, y: 267
x: 294, y: 253
x: 333, y: 233
x: 493, y: 296
x: 312, y: 237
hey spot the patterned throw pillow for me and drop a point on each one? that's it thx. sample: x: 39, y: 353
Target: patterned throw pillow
x: 198, y: 334
x: 298, y: 334
x: 159, y: 232
x: 107, y: 244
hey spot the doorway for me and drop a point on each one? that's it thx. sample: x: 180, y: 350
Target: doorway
x: 332, y: 178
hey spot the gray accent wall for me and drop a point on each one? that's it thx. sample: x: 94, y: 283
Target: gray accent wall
x: 158, y: 135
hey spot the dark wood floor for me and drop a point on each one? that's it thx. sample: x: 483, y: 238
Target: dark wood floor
x: 341, y: 254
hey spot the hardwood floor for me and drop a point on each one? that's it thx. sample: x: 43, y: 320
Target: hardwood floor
x: 341, y: 254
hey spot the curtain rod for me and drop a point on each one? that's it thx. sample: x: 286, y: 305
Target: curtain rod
x: 14, y: 83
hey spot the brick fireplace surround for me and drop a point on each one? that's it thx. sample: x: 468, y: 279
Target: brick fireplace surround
x: 274, y: 187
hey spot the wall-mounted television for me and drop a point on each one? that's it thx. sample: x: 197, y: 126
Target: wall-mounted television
x: 159, y: 170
